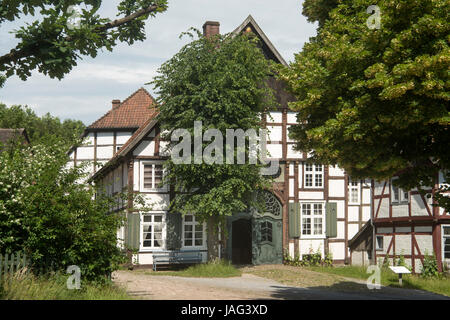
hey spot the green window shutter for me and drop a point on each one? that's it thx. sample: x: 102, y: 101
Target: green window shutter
x: 294, y: 220
x: 331, y: 220
x: 133, y: 232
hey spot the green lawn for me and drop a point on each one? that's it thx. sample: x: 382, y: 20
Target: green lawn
x: 205, y: 270
x: 439, y: 285
x: 29, y: 287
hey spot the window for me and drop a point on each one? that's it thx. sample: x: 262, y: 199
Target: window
x: 153, y: 175
x: 266, y: 231
x: 353, y: 191
x: 379, y: 243
x: 446, y: 241
x: 273, y: 206
x: 193, y: 232
x: 398, y: 195
x: 152, y: 230
x: 312, y: 219
x: 313, y: 175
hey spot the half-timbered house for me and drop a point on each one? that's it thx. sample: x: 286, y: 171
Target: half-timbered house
x: 103, y: 138
x: 405, y: 223
x: 310, y: 208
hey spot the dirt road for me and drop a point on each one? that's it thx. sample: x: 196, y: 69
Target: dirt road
x: 250, y: 287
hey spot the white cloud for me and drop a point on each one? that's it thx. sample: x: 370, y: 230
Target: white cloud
x: 86, y: 93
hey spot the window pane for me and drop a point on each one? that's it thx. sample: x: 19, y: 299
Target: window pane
x: 447, y: 231
x: 308, y: 180
x: 318, y: 209
x: 306, y: 226
x: 188, y: 235
x: 395, y: 193
x: 147, y: 235
x: 199, y: 227
x: 318, y: 180
x: 188, y: 227
x: 188, y: 218
x: 198, y: 242
x: 158, y: 218
x: 306, y: 208
x: 354, y: 195
x: 158, y: 243
x: 318, y: 167
x: 308, y: 167
x: 147, y: 218
x: 147, y: 228
x: 147, y: 243
x: 317, y: 226
x: 198, y: 235
x: 188, y: 242
x: 158, y: 175
x: 379, y: 242
x: 148, y: 176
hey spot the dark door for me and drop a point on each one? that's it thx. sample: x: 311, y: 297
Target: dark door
x: 241, y: 247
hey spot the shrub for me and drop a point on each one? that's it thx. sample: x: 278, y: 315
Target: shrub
x: 430, y: 266
x: 48, y: 214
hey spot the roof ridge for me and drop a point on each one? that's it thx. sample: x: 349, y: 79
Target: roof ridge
x: 122, y: 104
x: 264, y: 37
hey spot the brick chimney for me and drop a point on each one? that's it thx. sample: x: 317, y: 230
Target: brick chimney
x: 211, y: 28
x: 115, y: 103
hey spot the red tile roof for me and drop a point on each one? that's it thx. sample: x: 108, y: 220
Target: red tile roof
x: 131, y: 113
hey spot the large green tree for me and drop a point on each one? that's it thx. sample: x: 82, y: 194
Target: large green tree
x: 53, y: 43
x: 219, y: 81
x: 375, y: 99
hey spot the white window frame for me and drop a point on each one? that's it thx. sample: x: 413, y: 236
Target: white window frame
x: 194, y: 222
x: 402, y: 199
x: 314, y: 173
x: 152, y: 163
x: 443, y: 241
x: 322, y: 216
x: 141, y: 231
x: 352, y: 188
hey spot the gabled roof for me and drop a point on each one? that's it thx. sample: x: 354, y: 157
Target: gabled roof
x: 134, y: 140
x: 131, y: 113
x: 8, y: 135
x: 364, y: 234
x: 255, y: 28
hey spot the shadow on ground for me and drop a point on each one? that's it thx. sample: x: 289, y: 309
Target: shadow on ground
x: 347, y: 290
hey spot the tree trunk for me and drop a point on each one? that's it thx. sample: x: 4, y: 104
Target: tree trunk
x: 213, y: 238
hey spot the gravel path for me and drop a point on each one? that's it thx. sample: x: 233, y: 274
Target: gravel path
x: 248, y: 287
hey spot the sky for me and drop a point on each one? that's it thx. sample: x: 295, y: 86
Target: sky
x: 86, y: 93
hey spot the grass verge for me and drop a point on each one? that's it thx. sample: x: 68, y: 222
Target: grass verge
x: 222, y: 269
x: 25, y: 286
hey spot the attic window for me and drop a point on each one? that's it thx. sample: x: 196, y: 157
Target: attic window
x: 153, y: 174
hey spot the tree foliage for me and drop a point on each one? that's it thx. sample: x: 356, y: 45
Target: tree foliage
x: 46, y: 129
x: 221, y: 82
x: 46, y: 213
x: 375, y: 101
x: 53, y: 43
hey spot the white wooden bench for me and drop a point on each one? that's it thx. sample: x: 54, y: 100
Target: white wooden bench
x: 176, y: 257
